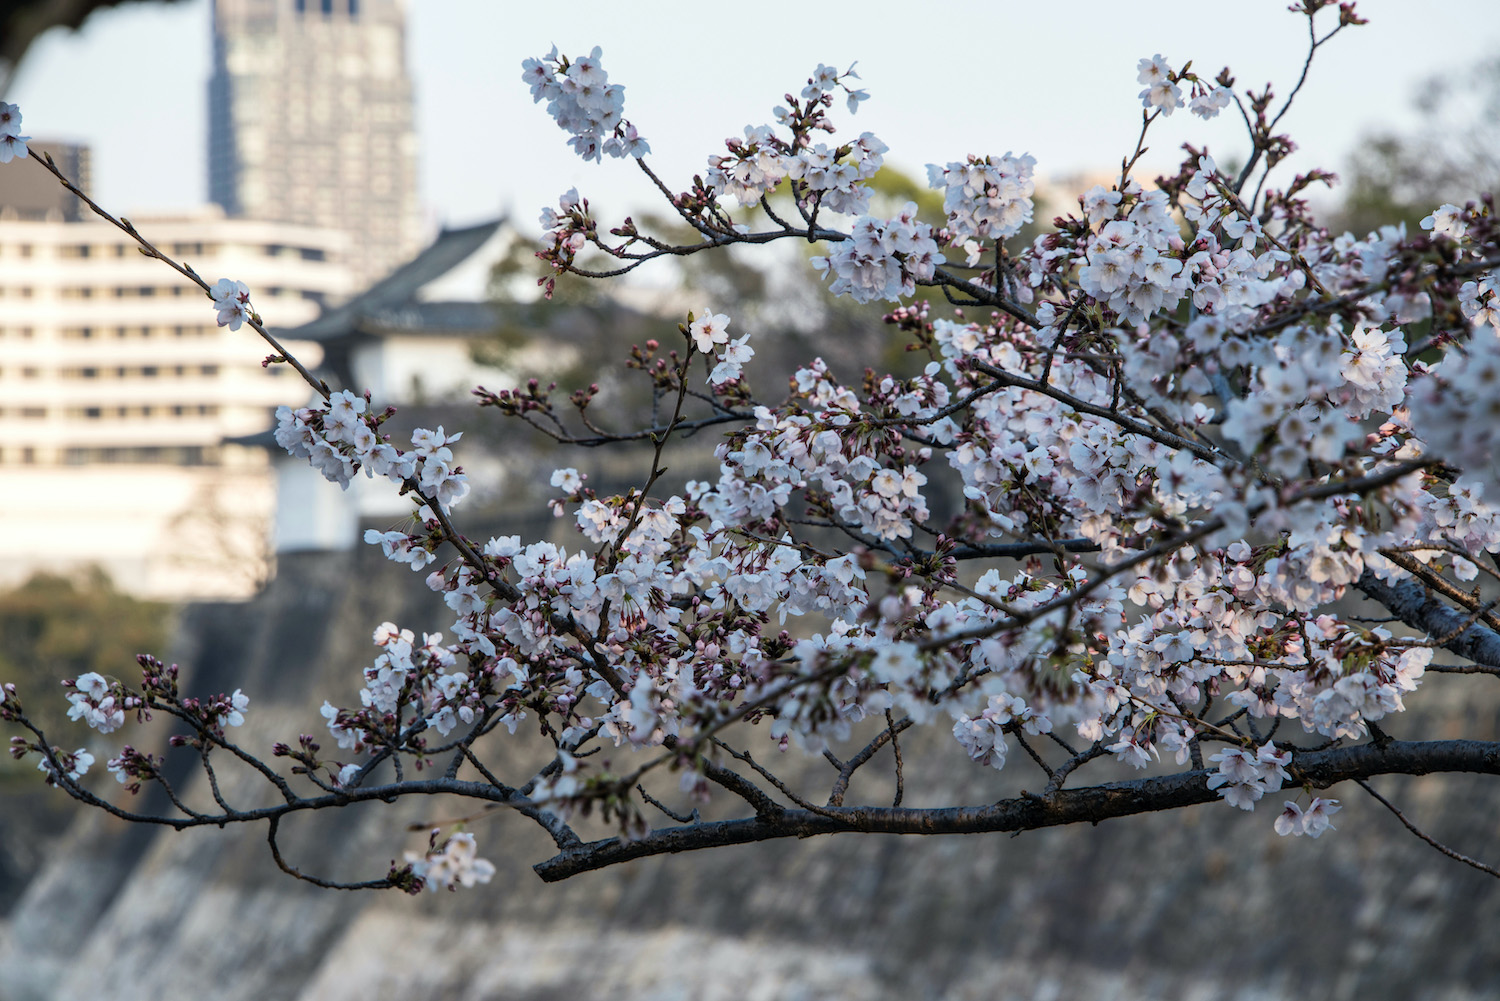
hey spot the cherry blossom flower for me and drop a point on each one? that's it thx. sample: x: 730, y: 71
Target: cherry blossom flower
x: 75, y: 765
x: 708, y: 331
x: 232, y: 300
x: 456, y: 864
x: 12, y: 143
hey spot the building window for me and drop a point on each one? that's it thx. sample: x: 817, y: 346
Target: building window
x: 353, y: 8
x: 328, y: 7
x: 73, y: 250
x: 92, y: 413
x: 33, y: 413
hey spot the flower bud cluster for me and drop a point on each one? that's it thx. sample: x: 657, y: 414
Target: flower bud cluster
x: 130, y: 768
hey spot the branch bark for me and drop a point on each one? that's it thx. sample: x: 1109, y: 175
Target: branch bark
x: 1413, y: 604
x: 1029, y: 812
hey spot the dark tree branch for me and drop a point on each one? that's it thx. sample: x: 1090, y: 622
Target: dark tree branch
x: 1410, y: 602
x: 1030, y: 812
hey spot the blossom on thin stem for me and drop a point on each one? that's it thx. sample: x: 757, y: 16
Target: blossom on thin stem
x: 232, y: 300
x: 12, y: 143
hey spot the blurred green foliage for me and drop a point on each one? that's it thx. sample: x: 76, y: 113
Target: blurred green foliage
x: 54, y: 627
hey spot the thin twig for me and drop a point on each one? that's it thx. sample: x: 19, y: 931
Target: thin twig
x: 1431, y: 841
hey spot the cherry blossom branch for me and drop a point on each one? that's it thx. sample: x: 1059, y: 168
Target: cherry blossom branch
x: 1111, y: 414
x: 1093, y: 804
x: 1358, y: 486
x: 150, y: 250
x: 394, y: 879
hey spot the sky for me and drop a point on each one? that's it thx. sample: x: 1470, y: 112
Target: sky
x: 970, y: 77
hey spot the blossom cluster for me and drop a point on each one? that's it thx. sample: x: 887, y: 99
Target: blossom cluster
x: 1312, y: 822
x: 833, y: 176
x: 1245, y: 776
x: 709, y: 334
x: 585, y: 104
x: 456, y: 863
x: 1163, y: 94
x: 983, y: 736
x: 98, y: 703
x: 339, y: 437
x: 986, y: 198
x: 883, y: 259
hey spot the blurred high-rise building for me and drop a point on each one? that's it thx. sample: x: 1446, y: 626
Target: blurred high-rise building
x: 310, y: 122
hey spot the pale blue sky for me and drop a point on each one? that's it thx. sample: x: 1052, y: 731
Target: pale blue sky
x: 974, y: 77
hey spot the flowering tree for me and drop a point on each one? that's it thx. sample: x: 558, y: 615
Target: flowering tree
x: 1187, y: 428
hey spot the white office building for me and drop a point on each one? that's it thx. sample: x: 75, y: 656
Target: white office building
x: 118, y: 388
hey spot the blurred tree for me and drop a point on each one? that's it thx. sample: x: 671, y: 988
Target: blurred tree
x: 1453, y: 157
x: 55, y: 627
